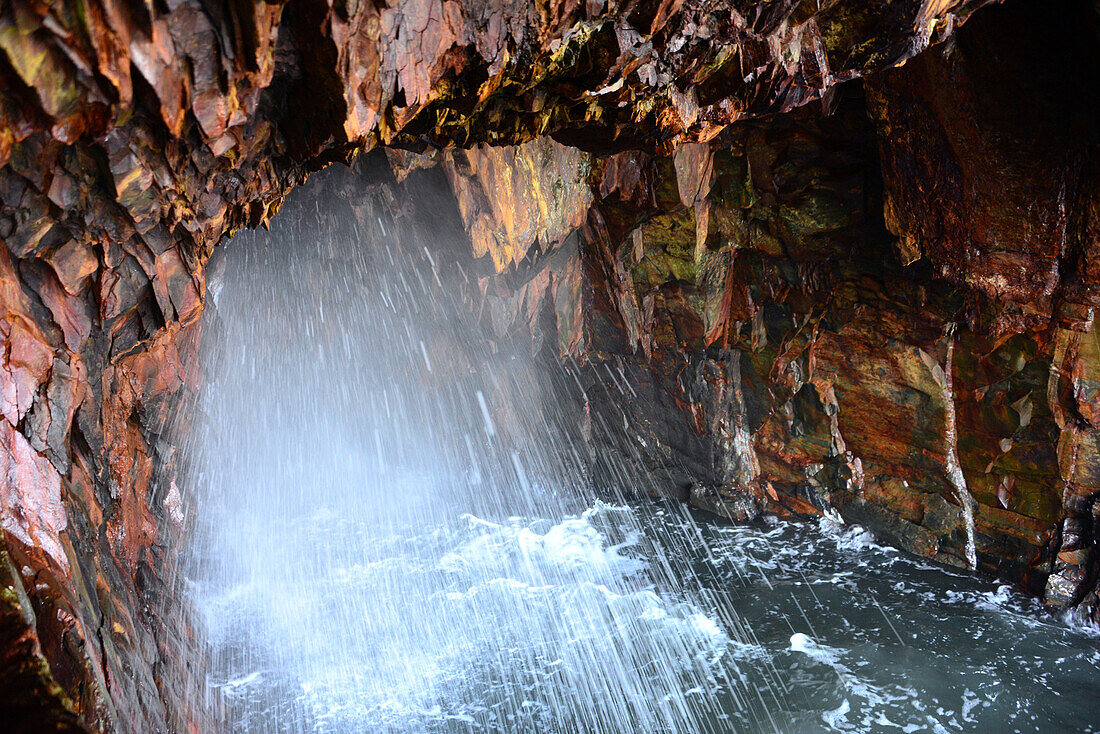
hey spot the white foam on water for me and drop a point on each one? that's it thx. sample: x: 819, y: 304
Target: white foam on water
x: 806, y: 645
x: 519, y: 605
x: 573, y: 544
x: 865, y: 703
x: 391, y: 539
x: 851, y: 538
x: 838, y: 718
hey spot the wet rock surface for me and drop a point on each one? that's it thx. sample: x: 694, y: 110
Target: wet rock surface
x: 821, y: 295
x: 788, y: 355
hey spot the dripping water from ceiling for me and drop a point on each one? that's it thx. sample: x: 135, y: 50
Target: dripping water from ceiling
x: 398, y: 526
x: 401, y: 525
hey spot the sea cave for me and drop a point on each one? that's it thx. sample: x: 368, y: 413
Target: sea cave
x: 441, y: 366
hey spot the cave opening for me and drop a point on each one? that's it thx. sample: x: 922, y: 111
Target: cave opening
x: 401, y: 524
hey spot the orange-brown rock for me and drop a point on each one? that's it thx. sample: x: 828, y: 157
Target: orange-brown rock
x: 808, y: 328
x: 813, y: 313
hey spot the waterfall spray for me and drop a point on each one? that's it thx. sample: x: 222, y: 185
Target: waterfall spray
x: 400, y: 526
x: 397, y: 529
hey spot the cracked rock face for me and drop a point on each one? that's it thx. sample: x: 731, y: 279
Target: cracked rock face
x: 835, y: 282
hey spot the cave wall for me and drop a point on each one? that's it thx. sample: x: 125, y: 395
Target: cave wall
x: 886, y: 312
x: 825, y: 295
x: 782, y: 356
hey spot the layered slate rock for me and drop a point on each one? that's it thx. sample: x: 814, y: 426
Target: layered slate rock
x: 821, y: 300
x: 935, y: 291
x: 880, y: 313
